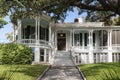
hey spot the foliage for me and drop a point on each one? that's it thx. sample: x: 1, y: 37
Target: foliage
x: 57, y: 8
x: 1, y: 45
x: 100, y: 17
x: 2, y: 22
x: 16, y: 54
x: 2, y: 15
x: 116, y: 20
x: 10, y: 36
x: 21, y: 72
x: 103, y: 71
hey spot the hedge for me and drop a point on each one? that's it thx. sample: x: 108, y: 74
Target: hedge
x: 15, y: 54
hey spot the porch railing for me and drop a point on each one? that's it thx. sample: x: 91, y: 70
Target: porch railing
x: 34, y: 42
x: 94, y: 48
x: 100, y: 47
x: 81, y: 47
x: 28, y: 41
x: 115, y: 47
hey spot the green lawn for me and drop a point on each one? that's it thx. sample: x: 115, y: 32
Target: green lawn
x: 101, y: 71
x: 22, y: 72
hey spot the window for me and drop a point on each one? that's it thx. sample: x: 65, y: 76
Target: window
x: 44, y: 33
x: 103, y: 37
x: 77, y: 39
x: 86, y: 39
x: 28, y: 32
x: 47, y: 55
x: 93, y: 39
x: 41, y: 54
x: 115, y: 37
x: 80, y: 39
x: 33, y: 51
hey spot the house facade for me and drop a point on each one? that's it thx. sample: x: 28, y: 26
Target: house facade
x: 88, y: 42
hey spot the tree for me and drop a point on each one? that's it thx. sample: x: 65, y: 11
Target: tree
x: 2, y: 22
x: 58, y: 8
x: 2, y: 15
x: 116, y: 20
x: 10, y: 36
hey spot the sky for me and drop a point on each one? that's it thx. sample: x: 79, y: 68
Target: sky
x: 8, y: 28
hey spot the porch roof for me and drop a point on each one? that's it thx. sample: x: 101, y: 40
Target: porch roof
x: 88, y: 25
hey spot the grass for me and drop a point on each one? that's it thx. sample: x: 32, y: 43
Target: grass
x: 102, y: 71
x: 21, y: 72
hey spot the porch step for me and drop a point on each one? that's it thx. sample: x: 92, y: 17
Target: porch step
x: 63, y: 58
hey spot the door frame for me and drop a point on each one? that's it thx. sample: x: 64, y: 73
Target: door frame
x: 61, y: 37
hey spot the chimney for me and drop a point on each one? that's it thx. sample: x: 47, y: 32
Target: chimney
x: 79, y: 20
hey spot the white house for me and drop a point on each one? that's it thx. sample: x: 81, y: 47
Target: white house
x: 88, y: 42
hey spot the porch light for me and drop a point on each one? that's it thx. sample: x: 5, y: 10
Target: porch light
x: 61, y: 35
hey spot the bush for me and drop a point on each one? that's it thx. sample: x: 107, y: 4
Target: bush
x: 15, y: 54
x: 1, y: 45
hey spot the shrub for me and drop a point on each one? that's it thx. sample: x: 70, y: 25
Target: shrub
x: 1, y: 45
x: 16, y: 54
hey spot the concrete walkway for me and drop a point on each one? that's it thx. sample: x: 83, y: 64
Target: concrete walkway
x: 63, y: 68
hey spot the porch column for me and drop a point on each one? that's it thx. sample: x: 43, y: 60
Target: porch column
x: 55, y: 40
x: 109, y: 45
x: 50, y: 43
x: 83, y: 41
x: 50, y: 34
x: 37, y: 55
x: 19, y: 30
x: 71, y: 39
x: 14, y: 32
x: 73, y: 33
x: 50, y: 56
x: 38, y: 30
x: 91, y: 46
x: 37, y: 49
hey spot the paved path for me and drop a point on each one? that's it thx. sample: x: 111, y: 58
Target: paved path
x: 63, y: 68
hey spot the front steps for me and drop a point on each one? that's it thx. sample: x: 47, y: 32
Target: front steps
x: 63, y: 58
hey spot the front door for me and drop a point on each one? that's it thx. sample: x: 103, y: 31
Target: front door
x: 61, y: 41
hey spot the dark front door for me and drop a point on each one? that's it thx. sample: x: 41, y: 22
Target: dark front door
x: 61, y: 41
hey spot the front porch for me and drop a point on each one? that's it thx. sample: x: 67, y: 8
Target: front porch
x: 80, y: 40
x: 89, y: 44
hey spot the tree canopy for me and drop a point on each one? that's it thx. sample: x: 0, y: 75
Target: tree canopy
x: 2, y: 22
x: 58, y: 8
